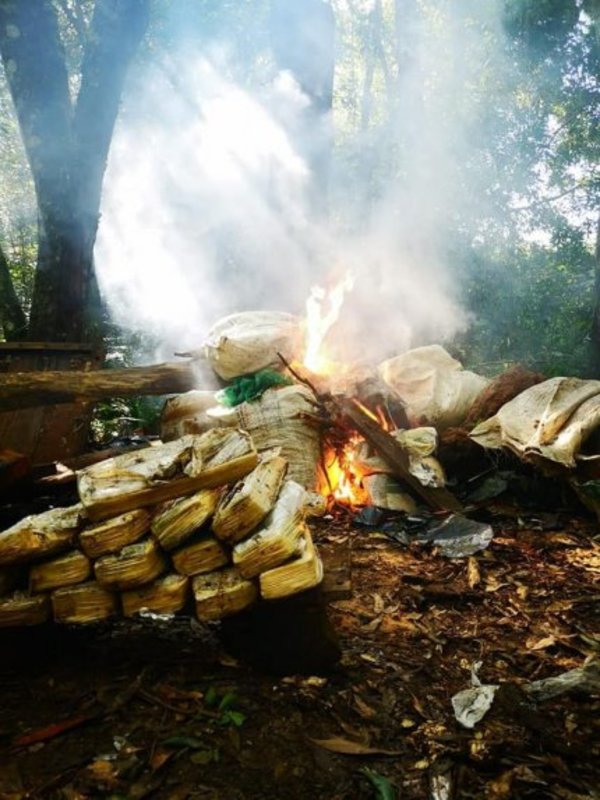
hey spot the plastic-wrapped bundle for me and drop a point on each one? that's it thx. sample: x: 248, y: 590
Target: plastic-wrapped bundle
x: 434, y: 386
x: 282, y: 418
x: 249, y: 341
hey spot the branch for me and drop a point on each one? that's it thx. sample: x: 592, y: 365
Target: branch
x: 544, y: 200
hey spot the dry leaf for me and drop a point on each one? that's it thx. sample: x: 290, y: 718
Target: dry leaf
x: 501, y: 787
x: 102, y: 772
x: 492, y: 584
x: 541, y: 644
x: 418, y: 707
x: 363, y: 708
x: 422, y: 764
x: 473, y: 574
x: 372, y: 626
x: 378, y: 604
x: 348, y: 748
x: 160, y: 757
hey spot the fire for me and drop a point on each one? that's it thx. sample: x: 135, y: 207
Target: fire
x: 343, y: 479
x: 319, y: 322
x: 380, y: 415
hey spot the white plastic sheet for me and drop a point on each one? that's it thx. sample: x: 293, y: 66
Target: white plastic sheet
x: 434, y: 386
x: 548, y: 422
x: 251, y: 340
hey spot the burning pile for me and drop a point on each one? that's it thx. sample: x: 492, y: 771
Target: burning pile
x: 218, y: 510
x: 204, y: 515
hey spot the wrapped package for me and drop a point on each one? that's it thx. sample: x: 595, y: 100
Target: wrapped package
x: 187, y: 413
x: 155, y: 474
x: 249, y: 501
x: 433, y: 385
x: 65, y: 570
x: 280, y: 537
x: 203, y: 555
x: 114, y: 534
x: 84, y: 603
x: 167, y: 595
x: 221, y: 594
x: 298, y: 575
x: 40, y: 535
x: 176, y: 520
x: 250, y: 341
x: 133, y: 566
x: 23, y: 609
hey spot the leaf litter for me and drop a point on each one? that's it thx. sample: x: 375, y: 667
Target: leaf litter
x: 197, y: 723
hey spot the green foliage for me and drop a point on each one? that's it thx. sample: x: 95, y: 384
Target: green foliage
x: 517, y: 115
x: 384, y: 789
x: 532, y: 306
x: 124, y: 417
x: 540, y: 25
x: 226, y: 706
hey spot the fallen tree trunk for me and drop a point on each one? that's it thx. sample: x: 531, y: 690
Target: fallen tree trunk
x: 27, y: 389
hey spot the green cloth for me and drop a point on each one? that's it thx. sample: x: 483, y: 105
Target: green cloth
x: 250, y: 387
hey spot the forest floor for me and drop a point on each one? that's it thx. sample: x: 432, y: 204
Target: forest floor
x: 160, y: 710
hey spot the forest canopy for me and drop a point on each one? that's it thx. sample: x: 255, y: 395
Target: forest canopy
x: 166, y: 161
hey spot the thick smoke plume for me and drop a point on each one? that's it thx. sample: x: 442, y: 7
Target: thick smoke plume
x: 209, y: 207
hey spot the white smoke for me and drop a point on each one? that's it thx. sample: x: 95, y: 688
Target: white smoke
x: 207, y: 203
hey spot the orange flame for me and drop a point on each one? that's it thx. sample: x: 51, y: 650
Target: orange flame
x: 319, y: 322
x: 379, y: 415
x: 343, y: 480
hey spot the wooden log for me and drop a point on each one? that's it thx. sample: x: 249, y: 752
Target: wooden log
x: 29, y: 389
x: 397, y: 459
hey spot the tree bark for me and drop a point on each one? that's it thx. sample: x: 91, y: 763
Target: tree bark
x: 595, y: 332
x: 12, y: 317
x: 27, y: 389
x: 67, y: 147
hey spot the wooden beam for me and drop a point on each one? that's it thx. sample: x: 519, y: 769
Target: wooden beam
x: 28, y: 389
x: 389, y: 449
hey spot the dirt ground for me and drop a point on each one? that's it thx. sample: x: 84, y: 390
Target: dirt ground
x: 160, y: 710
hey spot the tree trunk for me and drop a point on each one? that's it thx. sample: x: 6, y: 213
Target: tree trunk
x: 67, y: 148
x: 595, y: 332
x: 12, y: 318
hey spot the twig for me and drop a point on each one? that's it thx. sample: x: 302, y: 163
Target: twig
x: 52, y: 731
x: 297, y: 375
